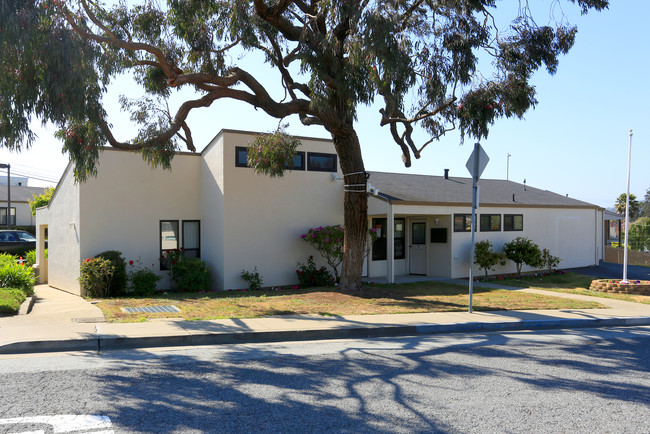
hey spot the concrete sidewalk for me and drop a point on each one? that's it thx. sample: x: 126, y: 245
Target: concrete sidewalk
x: 64, y: 322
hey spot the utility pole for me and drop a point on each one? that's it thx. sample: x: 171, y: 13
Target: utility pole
x: 8, y: 167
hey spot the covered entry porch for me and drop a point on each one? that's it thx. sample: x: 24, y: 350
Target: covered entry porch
x: 411, y: 241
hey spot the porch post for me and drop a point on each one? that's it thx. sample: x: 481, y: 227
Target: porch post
x: 390, y: 245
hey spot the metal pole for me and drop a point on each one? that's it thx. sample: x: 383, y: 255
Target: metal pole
x: 8, y: 196
x: 473, y: 225
x: 627, y: 210
x: 508, y: 168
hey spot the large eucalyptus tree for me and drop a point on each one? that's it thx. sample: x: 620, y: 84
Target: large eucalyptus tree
x: 418, y: 58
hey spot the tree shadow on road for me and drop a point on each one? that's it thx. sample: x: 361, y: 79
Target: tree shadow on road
x: 368, y: 389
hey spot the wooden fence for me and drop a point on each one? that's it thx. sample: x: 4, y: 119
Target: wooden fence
x: 634, y: 257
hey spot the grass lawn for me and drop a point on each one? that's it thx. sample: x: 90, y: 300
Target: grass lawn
x: 376, y: 299
x: 573, y: 283
x: 10, y: 300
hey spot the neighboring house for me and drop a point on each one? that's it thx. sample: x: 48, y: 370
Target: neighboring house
x: 21, y: 213
x: 218, y: 209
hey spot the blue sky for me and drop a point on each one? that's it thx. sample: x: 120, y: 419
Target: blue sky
x: 574, y: 142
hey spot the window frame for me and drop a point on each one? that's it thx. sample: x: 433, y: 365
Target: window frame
x: 185, y: 249
x: 513, y: 228
x: 313, y: 168
x: 384, y: 257
x: 163, y: 262
x: 239, y: 149
x: 489, y: 223
x: 467, y: 223
x: 302, y: 156
x: 3, y: 216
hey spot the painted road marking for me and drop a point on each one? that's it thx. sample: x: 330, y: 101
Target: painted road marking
x: 65, y: 423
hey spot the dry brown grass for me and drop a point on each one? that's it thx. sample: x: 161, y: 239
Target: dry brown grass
x: 378, y: 299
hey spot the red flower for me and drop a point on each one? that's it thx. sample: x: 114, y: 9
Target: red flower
x: 130, y: 262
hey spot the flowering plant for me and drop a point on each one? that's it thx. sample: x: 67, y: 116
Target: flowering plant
x: 187, y: 274
x: 142, y: 280
x: 309, y: 275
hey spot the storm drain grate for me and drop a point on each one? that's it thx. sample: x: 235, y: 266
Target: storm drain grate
x: 151, y: 309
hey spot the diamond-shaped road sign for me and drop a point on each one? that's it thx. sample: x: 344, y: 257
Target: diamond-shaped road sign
x: 477, y: 161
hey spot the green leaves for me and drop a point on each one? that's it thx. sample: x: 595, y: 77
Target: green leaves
x: 272, y: 154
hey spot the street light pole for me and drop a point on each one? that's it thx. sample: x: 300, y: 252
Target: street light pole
x: 508, y: 167
x: 8, y: 167
x: 627, y: 210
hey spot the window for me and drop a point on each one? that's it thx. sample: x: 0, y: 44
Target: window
x: 192, y: 238
x: 513, y: 222
x: 462, y: 222
x: 379, y: 246
x: 490, y: 222
x: 241, y: 156
x: 25, y: 236
x: 298, y: 161
x: 241, y: 159
x: 168, y: 240
x: 3, y: 216
x: 318, y: 162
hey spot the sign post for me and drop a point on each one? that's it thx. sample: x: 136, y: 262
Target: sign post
x: 475, y: 164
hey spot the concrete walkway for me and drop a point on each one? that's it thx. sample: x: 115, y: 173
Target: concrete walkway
x: 64, y: 322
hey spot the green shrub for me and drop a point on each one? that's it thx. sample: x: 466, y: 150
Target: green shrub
x: 523, y: 251
x: 96, y: 276
x: 485, y: 258
x: 7, y: 259
x: 30, y: 258
x: 118, y: 282
x: 142, y: 280
x: 190, y: 274
x: 549, y: 261
x: 252, y: 278
x: 14, y: 275
x: 11, y: 299
x: 309, y: 275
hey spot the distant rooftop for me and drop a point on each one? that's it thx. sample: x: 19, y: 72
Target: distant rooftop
x: 20, y: 193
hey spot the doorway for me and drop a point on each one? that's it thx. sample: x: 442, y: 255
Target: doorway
x: 418, y: 248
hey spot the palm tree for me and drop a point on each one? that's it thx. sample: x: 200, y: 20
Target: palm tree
x: 635, y: 207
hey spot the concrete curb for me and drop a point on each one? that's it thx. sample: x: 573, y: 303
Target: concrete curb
x: 27, y: 305
x: 108, y: 342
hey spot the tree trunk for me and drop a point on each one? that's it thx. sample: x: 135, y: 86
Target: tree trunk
x: 355, y: 209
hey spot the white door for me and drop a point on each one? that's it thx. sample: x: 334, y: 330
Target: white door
x: 418, y: 248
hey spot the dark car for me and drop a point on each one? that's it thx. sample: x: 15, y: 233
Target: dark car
x: 17, y: 242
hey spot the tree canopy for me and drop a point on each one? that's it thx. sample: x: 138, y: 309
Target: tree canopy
x: 635, y: 206
x: 419, y: 58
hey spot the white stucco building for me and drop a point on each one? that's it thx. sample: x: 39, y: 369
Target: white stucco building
x: 218, y: 209
x: 20, y: 212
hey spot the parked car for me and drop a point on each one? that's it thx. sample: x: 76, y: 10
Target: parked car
x: 17, y: 242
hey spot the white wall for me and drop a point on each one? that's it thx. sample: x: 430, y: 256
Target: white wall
x: 24, y: 215
x: 62, y: 217
x: 122, y: 207
x: 264, y: 217
x: 213, y: 211
x: 573, y: 234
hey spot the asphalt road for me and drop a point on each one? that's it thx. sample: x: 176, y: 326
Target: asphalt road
x: 585, y: 381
